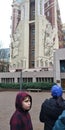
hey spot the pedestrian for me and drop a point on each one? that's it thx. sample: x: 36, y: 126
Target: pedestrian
x: 21, y: 119
x: 60, y: 122
x: 52, y: 107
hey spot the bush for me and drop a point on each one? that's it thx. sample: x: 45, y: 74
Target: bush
x: 9, y: 85
x: 30, y: 85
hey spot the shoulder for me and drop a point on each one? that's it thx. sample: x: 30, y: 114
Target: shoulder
x: 49, y: 101
x: 49, y: 105
x: 16, y: 117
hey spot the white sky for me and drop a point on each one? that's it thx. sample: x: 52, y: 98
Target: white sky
x: 5, y: 20
x: 62, y: 9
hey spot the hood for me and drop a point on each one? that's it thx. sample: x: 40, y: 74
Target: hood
x: 56, y: 91
x: 19, y: 98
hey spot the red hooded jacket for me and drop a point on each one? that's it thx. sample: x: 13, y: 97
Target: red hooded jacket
x: 21, y: 119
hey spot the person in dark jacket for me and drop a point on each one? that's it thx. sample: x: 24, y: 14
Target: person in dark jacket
x: 60, y: 122
x: 51, y: 108
x: 21, y: 119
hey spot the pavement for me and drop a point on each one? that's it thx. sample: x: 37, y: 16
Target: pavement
x: 7, y: 107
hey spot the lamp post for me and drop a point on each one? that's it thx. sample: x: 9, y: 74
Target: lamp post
x: 21, y: 80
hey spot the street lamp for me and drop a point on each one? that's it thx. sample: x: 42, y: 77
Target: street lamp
x: 21, y: 80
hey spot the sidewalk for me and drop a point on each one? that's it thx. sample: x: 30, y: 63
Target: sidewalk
x: 7, y: 101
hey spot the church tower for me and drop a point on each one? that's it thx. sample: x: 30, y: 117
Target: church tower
x: 33, y: 37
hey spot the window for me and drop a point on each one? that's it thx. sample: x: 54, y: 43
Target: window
x: 33, y: 41
x: 33, y: 31
x: 33, y: 12
x: 32, y: 52
x: 62, y: 66
x: 32, y: 63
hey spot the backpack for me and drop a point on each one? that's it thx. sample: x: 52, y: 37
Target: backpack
x: 60, y: 122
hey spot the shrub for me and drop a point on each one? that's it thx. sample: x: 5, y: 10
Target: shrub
x: 30, y: 85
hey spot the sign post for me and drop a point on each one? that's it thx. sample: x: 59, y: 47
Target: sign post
x: 21, y: 80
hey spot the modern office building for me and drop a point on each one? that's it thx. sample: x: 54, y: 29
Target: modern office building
x: 34, y: 37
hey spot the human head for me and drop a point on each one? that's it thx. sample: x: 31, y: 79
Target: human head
x: 26, y: 103
x: 56, y: 91
x: 21, y: 96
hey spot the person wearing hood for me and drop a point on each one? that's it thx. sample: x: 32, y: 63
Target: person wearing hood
x: 51, y: 108
x: 21, y: 119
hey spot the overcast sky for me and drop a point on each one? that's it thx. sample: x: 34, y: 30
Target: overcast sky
x: 62, y: 9
x: 5, y: 20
